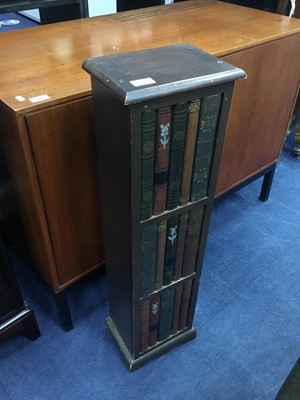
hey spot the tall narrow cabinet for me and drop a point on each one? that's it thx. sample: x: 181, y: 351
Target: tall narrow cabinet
x: 160, y: 122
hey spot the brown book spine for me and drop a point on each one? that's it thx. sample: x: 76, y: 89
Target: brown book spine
x: 189, y: 149
x: 185, y: 305
x: 192, y: 241
x: 180, y: 246
x: 176, y: 309
x: 153, y: 320
x: 160, y: 253
x: 161, y: 163
x: 144, y: 328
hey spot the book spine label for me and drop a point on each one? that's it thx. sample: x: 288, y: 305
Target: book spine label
x: 176, y: 309
x: 147, y: 162
x: 153, y: 320
x: 166, y: 313
x: 170, y: 250
x: 185, y: 305
x: 144, y: 327
x: 179, y: 122
x: 189, y: 148
x: 207, y: 127
x: 192, y: 241
x: 161, y: 244
x: 183, y: 219
x: 148, y: 259
x: 161, y: 162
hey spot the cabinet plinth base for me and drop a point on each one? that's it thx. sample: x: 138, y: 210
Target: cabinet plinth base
x: 23, y: 321
x: 134, y: 364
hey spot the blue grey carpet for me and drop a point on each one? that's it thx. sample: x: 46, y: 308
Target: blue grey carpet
x: 247, y: 317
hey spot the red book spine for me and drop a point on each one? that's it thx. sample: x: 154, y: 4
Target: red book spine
x: 153, y: 320
x: 144, y: 327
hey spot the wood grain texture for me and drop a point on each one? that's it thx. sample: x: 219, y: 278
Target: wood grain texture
x: 47, y: 59
x: 260, y: 110
x: 16, y: 147
x: 68, y: 181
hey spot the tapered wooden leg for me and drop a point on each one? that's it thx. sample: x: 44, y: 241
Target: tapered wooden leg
x: 63, y: 310
x: 267, y: 184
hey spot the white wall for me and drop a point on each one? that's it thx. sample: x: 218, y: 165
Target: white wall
x: 102, y: 7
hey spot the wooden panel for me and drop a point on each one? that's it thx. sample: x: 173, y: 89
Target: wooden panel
x: 47, y: 59
x: 260, y: 109
x: 17, y: 151
x: 62, y: 140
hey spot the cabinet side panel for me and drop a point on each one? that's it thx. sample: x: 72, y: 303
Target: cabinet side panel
x: 114, y: 164
x: 63, y: 144
x: 17, y: 152
x: 261, y: 108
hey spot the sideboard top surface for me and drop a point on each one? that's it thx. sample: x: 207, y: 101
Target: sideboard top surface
x: 43, y: 65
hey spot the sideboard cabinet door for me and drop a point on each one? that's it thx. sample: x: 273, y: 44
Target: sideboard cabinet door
x: 63, y: 149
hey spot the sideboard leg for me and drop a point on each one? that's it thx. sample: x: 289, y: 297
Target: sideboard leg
x: 267, y: 184
x: 63, y: 310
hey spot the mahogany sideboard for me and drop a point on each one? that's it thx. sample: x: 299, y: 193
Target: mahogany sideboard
x: 47, y: 131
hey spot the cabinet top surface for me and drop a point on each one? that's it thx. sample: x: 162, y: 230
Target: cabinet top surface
x: 147, y: 74
x: 42, y: 66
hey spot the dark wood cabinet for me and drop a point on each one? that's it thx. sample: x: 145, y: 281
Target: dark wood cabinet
x: 15, y: 315
x: 267, y: 5
x: 124, y: 5
x: 50, y: 10
x: 122, y: 100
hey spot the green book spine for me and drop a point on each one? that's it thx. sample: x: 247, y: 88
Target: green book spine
x: 148, y: 259
x: 192, y: 241
x: 207, y: 127
x: 185, y: 305
x: 153, y: 320
x: 161, y: 159
x: 189, y: 150
x: 165, y: 313
x: 179, y: 122
x: 160, y: 251
x: 170, y: 250
x: 144, y: 326
x: 183, y: 219
x: 147, y: 162
x: 176, y: 309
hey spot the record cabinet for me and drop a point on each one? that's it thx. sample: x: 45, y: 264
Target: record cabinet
x: 156, y: 207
